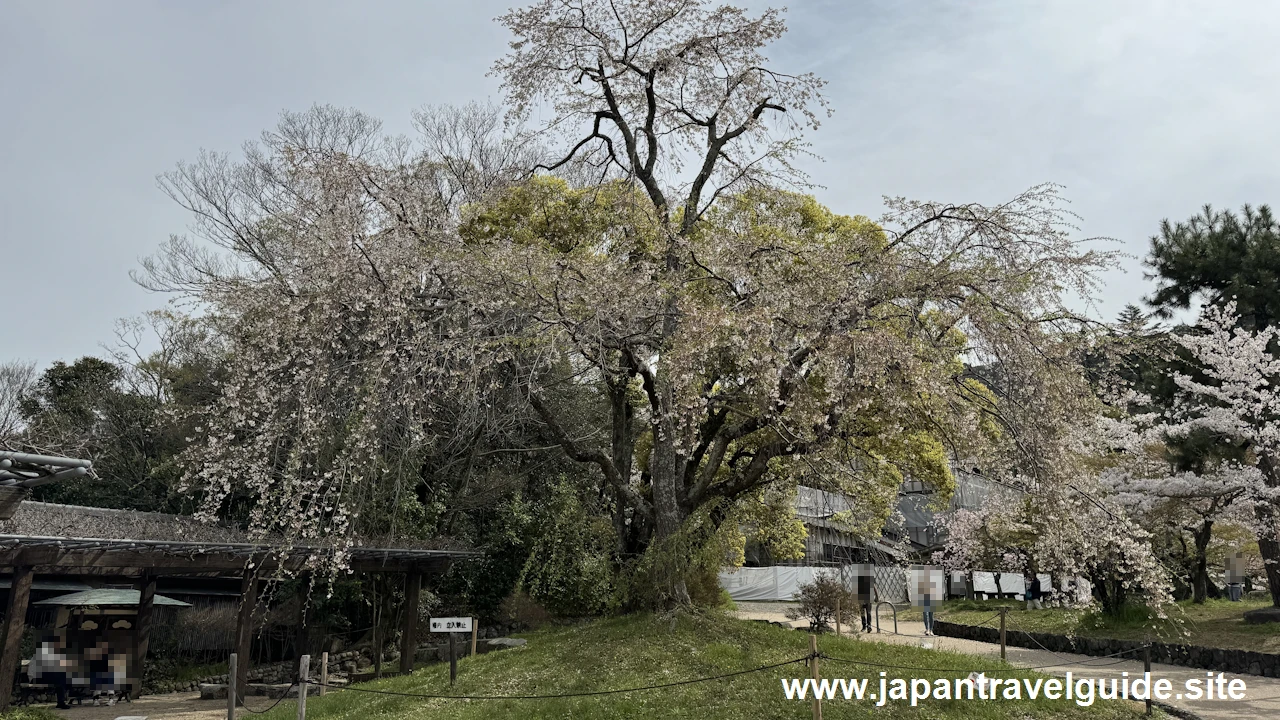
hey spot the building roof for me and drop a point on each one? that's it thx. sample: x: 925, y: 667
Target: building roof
x: 103, y: 597
x: 55, y: 538
x: 51, y: 520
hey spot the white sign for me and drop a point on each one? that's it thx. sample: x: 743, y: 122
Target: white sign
x: 458, y: 624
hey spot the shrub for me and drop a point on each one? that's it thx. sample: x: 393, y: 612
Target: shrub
x: 817, y: 603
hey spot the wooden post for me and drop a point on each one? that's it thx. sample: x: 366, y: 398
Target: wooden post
x: 304, y: 663
x: 379, y: 613
x: 324, y: 672
x: 232, y: 688
x: 244, y: 626
x: 1146, y: 663
x: 813, y: 665
x: 142, y: 629
x: 475, y: 630
x: 453, y: 660
x: 409, y: 624
x: 15, y: 622
x: 838, y: 614
x: 300, y: 636
x: 1003, y: 612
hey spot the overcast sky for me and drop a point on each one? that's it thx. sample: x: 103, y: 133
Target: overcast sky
x: 1143, y: 109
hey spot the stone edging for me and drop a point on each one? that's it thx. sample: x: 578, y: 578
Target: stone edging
x: 1241, y: 662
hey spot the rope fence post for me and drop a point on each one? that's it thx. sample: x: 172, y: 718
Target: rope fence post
x: 303, y: 667
x: 1146, y: 662
x: 231, y: 687
x: 324, y: 672
x: 475, y: 630
x: 1003, y: 613
x: 813, y: 665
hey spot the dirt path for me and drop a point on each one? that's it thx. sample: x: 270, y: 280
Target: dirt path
x: 173, y: 706
x: 1262, y: 697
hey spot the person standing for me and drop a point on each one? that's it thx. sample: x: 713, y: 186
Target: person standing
x: 1034, y: 593
x: 864, y: 596
x: 49, y: 666
x: 925, y: 598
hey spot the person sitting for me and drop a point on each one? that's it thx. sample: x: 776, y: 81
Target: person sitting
x: 49, y: 667
x: 102, y: 678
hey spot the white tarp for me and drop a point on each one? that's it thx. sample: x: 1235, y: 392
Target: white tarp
x: 777, y: 583
x: 1010, y: 582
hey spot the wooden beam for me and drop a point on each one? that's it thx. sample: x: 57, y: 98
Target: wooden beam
x: 15, y: 622
x: 142, y: 629
x: 244, y: 625
x: 409, y: 624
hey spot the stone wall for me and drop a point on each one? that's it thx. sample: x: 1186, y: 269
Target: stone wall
x: 1244, y: 662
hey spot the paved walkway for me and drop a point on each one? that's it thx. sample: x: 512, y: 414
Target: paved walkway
x: 1262, y: 697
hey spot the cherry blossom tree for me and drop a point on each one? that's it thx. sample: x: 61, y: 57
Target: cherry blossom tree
x: 1186, y: 502
x: 398, y: 313
x: 1235, y: 400
x: 1067, y: 533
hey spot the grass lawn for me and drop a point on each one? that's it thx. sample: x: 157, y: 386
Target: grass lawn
x: 29, y: 713
x: 646, y: 650
x: 1216, y: 623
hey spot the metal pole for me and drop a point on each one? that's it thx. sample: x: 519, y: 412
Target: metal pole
x: 231, y: 687
x: 324, y: 672
x: 453, y: 660
x: 1003, y: 612
x: 303, y: 667
x: 838, y: 612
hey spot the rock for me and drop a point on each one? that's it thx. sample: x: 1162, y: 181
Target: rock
x: 1262, y: 615
x: 210, y: 691
x: 499, y: 644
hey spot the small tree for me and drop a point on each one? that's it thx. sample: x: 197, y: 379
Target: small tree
x: 818, y: 601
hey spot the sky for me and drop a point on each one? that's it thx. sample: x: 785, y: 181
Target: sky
x: 1142, y: 109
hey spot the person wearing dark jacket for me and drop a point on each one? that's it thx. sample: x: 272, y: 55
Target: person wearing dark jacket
x: 1033, y: 594
x: 864, y: 599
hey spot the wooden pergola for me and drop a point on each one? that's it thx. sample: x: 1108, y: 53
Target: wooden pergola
x: 143, y: 560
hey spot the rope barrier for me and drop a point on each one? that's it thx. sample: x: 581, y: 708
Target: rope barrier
x: 241, y: 703
x: 586, y: 693
x: 1042, y: 647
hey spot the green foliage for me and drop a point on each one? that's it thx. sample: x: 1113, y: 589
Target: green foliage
x: 546, y: 212
x: 694, y: 556
x: 1222, y: 256
x: 569, y: 569
x: 770, y: 518
x: 84, y: 409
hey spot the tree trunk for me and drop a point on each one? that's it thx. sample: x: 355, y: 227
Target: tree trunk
x: 1200, y: 563
x: 666, y: 472
x: 1268, y: 544
x: 999, y: 590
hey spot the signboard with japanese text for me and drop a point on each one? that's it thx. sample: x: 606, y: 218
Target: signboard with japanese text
x: 451, y: 624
